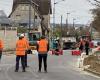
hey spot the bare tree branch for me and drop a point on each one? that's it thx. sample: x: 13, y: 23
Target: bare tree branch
x: 96, y: 3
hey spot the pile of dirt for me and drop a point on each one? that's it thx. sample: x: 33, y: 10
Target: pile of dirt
x: 89, y: 60
x: 94, y: 63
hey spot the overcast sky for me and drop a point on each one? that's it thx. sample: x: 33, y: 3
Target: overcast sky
x: 78, y: 9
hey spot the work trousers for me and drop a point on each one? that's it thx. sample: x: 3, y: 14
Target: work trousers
x: 0, y: 54
x: 22, y: 62
x: 44, y: 58
x: 87, y: 51
x: 26, y: 59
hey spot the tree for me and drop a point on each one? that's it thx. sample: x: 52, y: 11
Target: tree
x: 94, y: 2
x: 96, y: 21
x: 96, y: 14
x: 57, y: 31
x: 21, y: 30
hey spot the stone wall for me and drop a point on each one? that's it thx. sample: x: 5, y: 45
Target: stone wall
x: 94, y: 63
x: 9, y: 38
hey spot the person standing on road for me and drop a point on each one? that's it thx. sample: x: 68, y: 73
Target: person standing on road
x: 1, y: 49
x: 27, y: 49
x: 20, y: 53
x: 42, y: 48
x: 81, y: 45
x: 87, y: 47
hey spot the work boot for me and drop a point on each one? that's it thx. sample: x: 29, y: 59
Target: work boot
x: 39, y: 71
x: 26, y: 66
x: 16, y: 70
x: 45, y: 71
x: 24, y: 71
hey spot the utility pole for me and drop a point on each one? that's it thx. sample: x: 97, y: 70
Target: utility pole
x: 61, y: 26
x: 53, y: 19
x: 61, y: 32
x: 74, y: 22
x: 30, y: 3
x: 67, y: 19
x: 54, y: 15
x: 67, y: 27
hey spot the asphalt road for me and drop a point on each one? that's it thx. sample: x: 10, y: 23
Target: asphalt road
x: 59, y: 68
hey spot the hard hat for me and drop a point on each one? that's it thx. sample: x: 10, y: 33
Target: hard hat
x: 22, y: 35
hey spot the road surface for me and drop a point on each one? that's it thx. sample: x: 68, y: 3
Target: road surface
x: 59, y: 68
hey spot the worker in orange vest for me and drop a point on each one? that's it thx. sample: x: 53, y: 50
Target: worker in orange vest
x: 42, y: 48
x: 27, y: 49
x: 1, y: 48
x: 20, y: 53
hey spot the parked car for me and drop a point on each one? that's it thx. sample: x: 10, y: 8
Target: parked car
x: 95, y: 42
x: 69, y: 45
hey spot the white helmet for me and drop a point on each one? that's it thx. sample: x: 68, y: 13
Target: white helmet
x: 22, y: 35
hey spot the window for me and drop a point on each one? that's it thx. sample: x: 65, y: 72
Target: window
x: 17, y: 15
x: 25, y: 7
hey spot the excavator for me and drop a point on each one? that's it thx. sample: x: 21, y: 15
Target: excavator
x: 33, y: 37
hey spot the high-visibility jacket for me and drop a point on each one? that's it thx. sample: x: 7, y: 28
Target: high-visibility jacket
x: 1, y: 45
x: 20, y: 47
x: 27, y: 43
x: 43, y: 46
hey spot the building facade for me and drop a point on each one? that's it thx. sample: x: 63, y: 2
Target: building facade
x: 32, y: 14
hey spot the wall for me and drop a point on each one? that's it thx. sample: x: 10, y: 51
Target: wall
x: 9, y: 38
x: 22, y: 12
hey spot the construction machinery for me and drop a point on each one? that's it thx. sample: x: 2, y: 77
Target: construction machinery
x: 33, y: 37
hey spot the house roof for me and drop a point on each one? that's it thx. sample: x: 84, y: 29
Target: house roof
x: 44, y: 5
x: 3, y: 18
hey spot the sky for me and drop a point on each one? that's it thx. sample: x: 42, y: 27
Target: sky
x: 78, y: 9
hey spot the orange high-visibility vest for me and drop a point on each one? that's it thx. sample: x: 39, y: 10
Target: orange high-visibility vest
x: 1, y: 44
x: 20, y: 47
x: 27, y: 43
x: 43, y: 44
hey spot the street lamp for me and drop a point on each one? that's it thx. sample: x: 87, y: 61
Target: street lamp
x: 54, y: 18
x: 54, y: 15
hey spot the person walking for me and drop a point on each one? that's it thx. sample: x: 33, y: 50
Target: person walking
x: 1, y: 49
x: 87, y: 47
x: 27, y: 49
x: 42, y: 48
x: 20, y: 53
